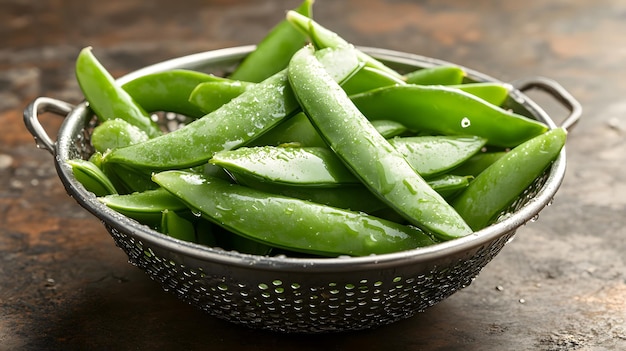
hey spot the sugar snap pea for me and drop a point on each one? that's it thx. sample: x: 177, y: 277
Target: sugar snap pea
x: 322, y: 37
x: 478, y: 163
x: 436, y: 75
x: 501, y: 183
x: 432, y: 155
x: 447, y: 111
x: 168, y: 91
x: 273, y: 52
x: 242, y: 119
x: 493, y: 92
x: 114, y: 133
x: 106, y: 98
x: 371, y: 158
x: 91, y: 177
x: 210, y: 96
x: 177, y: 227
x: 289, y: 223
x: 389, y: 129
x: 350, y: 196
x: 146, y: 207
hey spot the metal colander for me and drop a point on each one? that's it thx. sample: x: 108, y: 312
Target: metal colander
x: 308, y: 295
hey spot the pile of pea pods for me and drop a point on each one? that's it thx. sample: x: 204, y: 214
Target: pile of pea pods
x: 310, y: 147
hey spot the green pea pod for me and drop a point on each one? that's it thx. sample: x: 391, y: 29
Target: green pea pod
x: 115, y: 133
x: 436, y: 75
x: 320, y: 167
x: 389, y: 129
x: 177, y: 227
x: 241, y: 120
x: 448, y: 111
x: 272, y: 54
x: 432, y: 155
x: 210, y: 96
x: 96, y: 159
x: 381, y: 167
x: 145, y: 207
x: 448, y: 185
x: 492, y: 92
x: 310, y: 166
x: 368, y: 78
x: 289, y: 223
x: 106, y: 98
x: 295, y: 130
x: 353, y: 197
x: 477, y: 163
x: 321, y: 38
x: 128, y: 179
x: 169, y: 91
x: 91, y: 177
x: 502, y: 183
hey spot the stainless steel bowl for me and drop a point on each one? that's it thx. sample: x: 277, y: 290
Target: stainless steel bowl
x: 303, y: 294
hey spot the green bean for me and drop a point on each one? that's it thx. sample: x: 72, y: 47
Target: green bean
x: 371, y: 158
x: 106, y: 98
x: 500, y: 184
x: 289, y: 223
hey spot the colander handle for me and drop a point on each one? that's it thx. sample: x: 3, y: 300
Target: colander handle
x: 558, y: 92
x: 31, y: 119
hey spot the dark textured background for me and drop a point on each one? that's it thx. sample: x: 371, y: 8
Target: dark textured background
x: 560, y: 285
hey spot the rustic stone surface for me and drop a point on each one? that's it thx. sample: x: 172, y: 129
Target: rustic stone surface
x: 560, y: 285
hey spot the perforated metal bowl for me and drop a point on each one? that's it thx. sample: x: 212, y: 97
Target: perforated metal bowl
x: 302, y: 294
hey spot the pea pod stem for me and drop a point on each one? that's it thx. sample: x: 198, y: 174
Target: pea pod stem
x: 322, y: 37
x: 367, y: 154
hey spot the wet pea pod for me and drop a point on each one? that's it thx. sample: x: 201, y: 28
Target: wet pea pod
x: 239, y: 121
x: 210, y: 96
x: 145, y: 207
x: 478, y: 163
x: 289, y: 223
x: 492, y: 92
x: 169, y: 91
x: 115, y: 133
x: 433, y: 155
x: 382, y: 168
x: 436, y: 75
x: 273, y: 52
x: 177, y: 227
x: 320, y: 166
x: 449, y: 111
x: 106, y: 99
x: 349, y: 196
x: 92, y: 177
x: 505, y: 180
